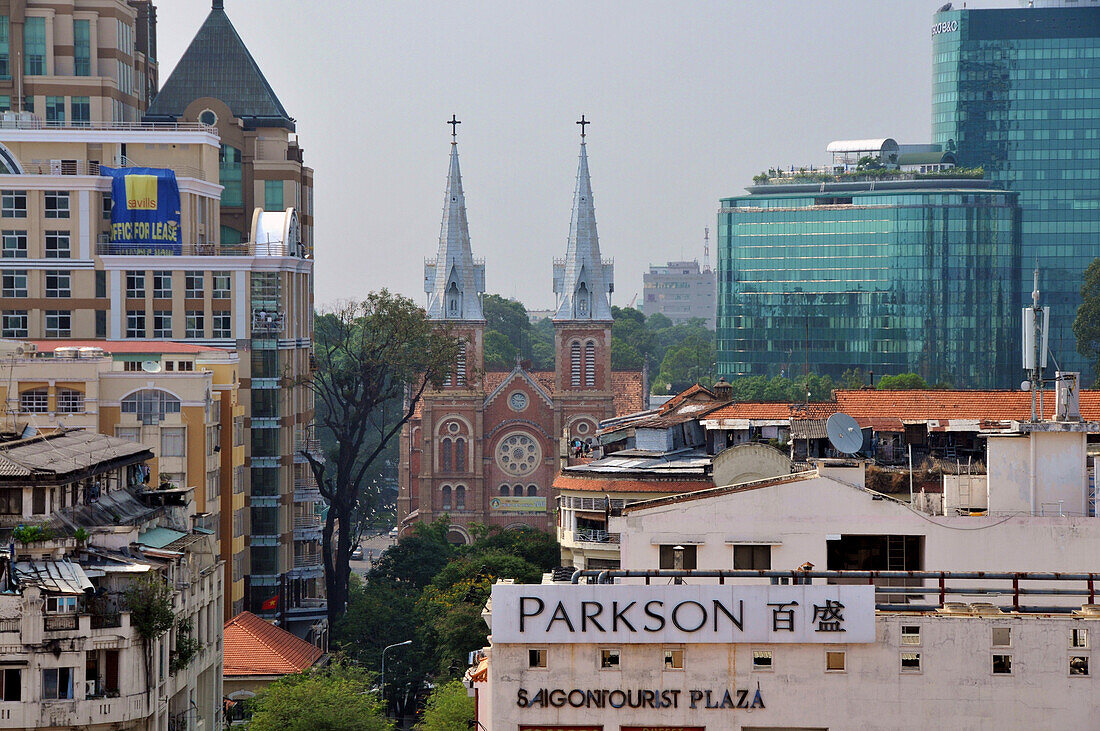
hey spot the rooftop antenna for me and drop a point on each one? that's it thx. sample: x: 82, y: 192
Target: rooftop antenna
x: 706, y: 249
x: 844, y: 433
x: 1036, y: 330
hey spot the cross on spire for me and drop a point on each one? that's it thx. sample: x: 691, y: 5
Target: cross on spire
x: 453, y: 121
x: 583, y: 122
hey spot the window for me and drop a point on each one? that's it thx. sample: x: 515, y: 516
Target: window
x: 57, y: 204
x: 100, y: 284
x: 678, y: 557
x: 609, y: 659
x: 162, y: 285
x: 135, y: 285
x: 38, y: 501
x: 135, y: 325
x: 213, y: 486
x: 5, y: 52
x: 55, y: 109
x: 151, y: 405
x: 532, y: 491
x: 13, y: 203
x: 14, y: 324
x: 34, y: 46
x: 460, y: 498
x: 101, y: 323
x: 505, y: 491
x: 15, y: 283
x: 195, y: 327
x: 5, y: 99
x: 162, y: 324
x: 82, y: 110
x: 208, y: 117
x: 1002, y: 637
x: 59, y: 323
x: 223, y: 325
x: 674, y: 660
x: 590, y: 364
x: 11, y: 678
x: 28, y: 103
x: 15, y: 244
x: 34, y: 401
x: 171, y: 441
x: 1079, y: 665
x: 536, y: 658
x: 70, y: 401
x: 445, y: 461
x: 752, y: 557
x: 61, y: 604
x: 575, y: 364
x: 57, y: 245
x: 106, y: 207
x: 460, y: 455
x: 11, y: 501
x: 222, y: 285
x: 1079, y: 638
x: 1002, y: 664
x: 59, y: 284
x: 446, y: 501
x: 517, y: 491
x: 185, y: 365
x: 834, y: 661
x: 131, y: 433
x: 762, y: 660
x: 273, y: 195
x: 910, y: 634
x: 194, y: 285
x: 229, y: 175
x: 910, y: 662
x: 57, y: 683
x: 82, y: 49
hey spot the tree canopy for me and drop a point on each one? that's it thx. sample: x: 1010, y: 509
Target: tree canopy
x: 448, y: 708
x: 1086, y: 326
x: 337, y: 698
x: 902, y: 382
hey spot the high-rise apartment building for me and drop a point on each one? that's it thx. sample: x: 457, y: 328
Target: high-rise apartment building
x: 217, y: 83
x: 1017, y: 92
x: 680, y: 291
x: 883, y: 275
x: 78, y: 62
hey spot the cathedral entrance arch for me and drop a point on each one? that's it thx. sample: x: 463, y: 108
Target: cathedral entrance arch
x: 458, y: 535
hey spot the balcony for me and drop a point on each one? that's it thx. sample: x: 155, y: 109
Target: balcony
x: 9, y: 625
x: 248, y: 248
x: 306, y: 491
x: 595, y: 536
x: 307, y: 528
x: 60, y: 622
x: 308, y: 560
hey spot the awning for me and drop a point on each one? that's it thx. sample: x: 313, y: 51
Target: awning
x: 754, y: 541
x: 666, y: 540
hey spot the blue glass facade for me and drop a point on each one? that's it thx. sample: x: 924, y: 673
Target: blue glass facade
x: 1018, y: 92
x: 890, y: 277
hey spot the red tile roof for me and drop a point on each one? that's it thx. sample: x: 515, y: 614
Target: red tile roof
x: 254, y: 646
x: 613, y: 482
x: 127, y: 346
x: 933, y: 405
x: 752, y: 410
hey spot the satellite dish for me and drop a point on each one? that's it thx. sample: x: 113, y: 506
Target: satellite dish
x: 151, y: 366
x: 1025, y: 385
x: 844, y: 433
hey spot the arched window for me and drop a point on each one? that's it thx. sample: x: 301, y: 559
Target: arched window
x: 460, y: 497
x: 446, y: 502
x: 532, y: 491
x: 517, y: 491
x: 582, y: 300
x: 150, y: 405
x: 460, y: 455
x: 460, y: 365
x: 590, y: 364
x: 452, y: 300
x: 445, y: 456
x: 575, y: 363
x: 504, y: 491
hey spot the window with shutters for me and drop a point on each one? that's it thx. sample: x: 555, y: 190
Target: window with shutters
x: 575, y: 363
x: 590, y: 364
x: 460, y: 365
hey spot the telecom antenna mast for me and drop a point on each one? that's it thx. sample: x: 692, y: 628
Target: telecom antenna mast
x: 1036, y: 330
x: 706, y: 249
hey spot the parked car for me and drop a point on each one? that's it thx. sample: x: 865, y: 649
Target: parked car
x: 393, y: 532
x: 357, y: 554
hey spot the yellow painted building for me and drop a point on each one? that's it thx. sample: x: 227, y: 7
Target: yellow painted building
x: 180, y: 400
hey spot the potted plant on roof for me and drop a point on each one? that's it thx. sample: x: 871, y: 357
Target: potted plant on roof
x: 27, y: 534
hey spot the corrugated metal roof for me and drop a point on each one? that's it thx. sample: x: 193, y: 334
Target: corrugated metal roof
x: 808, y: 429
x: 65, y: 452
x: 160, y: 537
x: 55, y: 577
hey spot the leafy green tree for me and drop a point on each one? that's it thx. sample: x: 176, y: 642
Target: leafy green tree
x: 448, y: 709
x: 509, y: 318
x: 657, y: 321
x: 375, y: 359
x: 625, y: 357
x: 499, y: 351
x: 689, y: 363
x: 1086, y: 326
x: 853, y: 378
x: 337, y: 698
x: 901, y: 382
x: 149, y: 599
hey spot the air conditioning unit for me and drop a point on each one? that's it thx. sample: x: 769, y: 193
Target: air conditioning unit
x: 89, y: 688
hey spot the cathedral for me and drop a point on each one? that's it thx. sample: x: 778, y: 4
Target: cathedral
x: 485, y: 448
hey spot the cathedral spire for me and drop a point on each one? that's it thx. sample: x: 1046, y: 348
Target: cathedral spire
x: 453, y: 280
x: 583, y: 281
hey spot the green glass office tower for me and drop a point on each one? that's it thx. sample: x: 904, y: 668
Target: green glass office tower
x: 1018, y: 92
x: 889, y: 276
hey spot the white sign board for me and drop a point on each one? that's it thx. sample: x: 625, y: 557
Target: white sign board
x: 633, y: 614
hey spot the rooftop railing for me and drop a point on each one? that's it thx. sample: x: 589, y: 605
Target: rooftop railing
x: 93, y: 167
x: 273, y: 248
x: 16, y: 120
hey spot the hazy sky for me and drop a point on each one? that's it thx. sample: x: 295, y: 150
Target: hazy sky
x: 688, y: 100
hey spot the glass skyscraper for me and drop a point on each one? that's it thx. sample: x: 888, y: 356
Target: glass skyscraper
x: 1018, y: 92
x: 890, y: 276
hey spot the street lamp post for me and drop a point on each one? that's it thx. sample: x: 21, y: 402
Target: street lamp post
x: 384, y: 650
